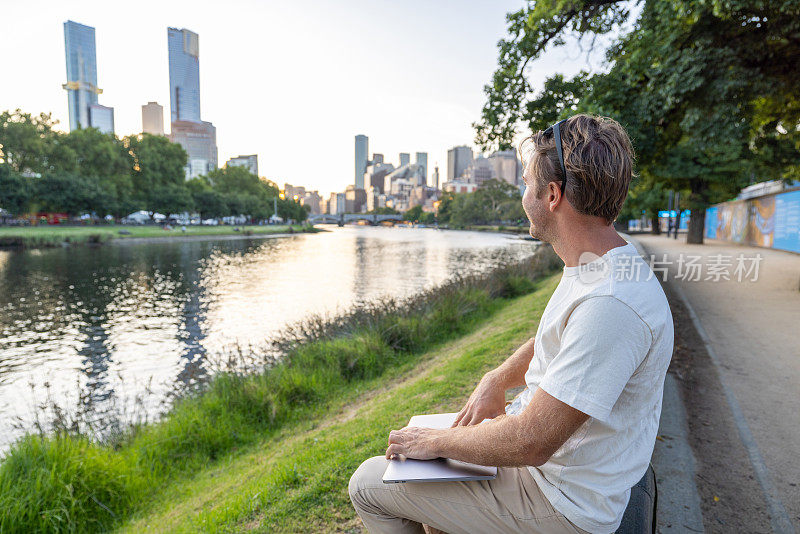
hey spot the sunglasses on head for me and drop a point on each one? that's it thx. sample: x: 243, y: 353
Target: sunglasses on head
x: 555, y: 131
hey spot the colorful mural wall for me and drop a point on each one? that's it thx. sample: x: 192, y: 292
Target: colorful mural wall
x: 770, y: 221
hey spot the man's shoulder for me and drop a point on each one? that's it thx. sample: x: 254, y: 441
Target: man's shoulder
x: 644, y: 297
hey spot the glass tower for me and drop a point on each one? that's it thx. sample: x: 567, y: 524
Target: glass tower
x: 422, y: 161
x: 362, y: 149
x: 184, y: 74
x: 81, y: 83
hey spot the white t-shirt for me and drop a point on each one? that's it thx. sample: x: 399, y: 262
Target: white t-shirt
x: 603, y: 346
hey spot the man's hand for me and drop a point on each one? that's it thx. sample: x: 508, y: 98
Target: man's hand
x: 486, y: 402
x: 412, y: 442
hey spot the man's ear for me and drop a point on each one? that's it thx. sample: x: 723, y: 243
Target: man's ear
x: 554, y: 196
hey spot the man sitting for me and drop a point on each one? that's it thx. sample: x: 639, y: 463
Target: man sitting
x: 581, y: 435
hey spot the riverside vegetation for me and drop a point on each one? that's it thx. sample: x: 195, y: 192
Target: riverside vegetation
x: 262, y: 439
x: 54, y: 236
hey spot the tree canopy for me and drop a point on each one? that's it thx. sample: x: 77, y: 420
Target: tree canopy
x: 42, y: 169
x: 705, y: 88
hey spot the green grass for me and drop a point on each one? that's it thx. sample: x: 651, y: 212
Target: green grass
x: 51, y: 236
x: 297, y: 480
x: 273, y: 427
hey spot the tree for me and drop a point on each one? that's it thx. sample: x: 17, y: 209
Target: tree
x: 704, y: 87
x: 156, y: 163
x: 240, y: 180
x: 24, y: 140
x: 210, y: 204
x: 15, y: 191
x: 645, y: 198
x: 106, y: 159
x: 97, y: 154
x: 413, y: 214
x: 494, y: 193
x: 291, y: 209
x: 69, y: 193
x: 171, y: 198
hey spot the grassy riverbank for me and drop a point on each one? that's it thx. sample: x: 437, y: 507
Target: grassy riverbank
x: 53, y: 236
x: 274, y: 450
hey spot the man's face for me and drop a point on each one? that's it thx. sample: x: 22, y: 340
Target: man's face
x: 535, y: 206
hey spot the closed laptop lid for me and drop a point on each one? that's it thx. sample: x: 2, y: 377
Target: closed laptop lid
x: 440, y: 469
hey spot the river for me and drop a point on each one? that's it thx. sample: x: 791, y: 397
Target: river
x: 96, y: 328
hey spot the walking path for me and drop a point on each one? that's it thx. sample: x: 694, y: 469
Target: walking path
x: 751, y: 329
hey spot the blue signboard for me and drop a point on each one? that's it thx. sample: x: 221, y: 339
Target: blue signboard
x: 787, y: 221
x: 711, y: 222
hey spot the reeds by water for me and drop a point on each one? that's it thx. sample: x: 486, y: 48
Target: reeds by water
x: 61, y: 479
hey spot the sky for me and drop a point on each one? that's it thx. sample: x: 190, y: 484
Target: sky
x: 293, y: 82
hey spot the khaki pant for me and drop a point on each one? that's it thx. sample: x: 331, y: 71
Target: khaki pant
x: 512, y: 502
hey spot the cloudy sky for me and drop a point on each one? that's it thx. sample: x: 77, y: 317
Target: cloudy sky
x: 293, y: 82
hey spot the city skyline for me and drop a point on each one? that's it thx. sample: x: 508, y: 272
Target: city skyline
x: 267, y: 102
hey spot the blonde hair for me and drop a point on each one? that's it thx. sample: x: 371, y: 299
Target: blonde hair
x: 598, y: 157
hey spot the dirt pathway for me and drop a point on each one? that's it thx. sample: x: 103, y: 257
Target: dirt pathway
x: 749, y: 381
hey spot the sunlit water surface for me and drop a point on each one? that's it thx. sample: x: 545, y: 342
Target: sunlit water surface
x: 101, y: 326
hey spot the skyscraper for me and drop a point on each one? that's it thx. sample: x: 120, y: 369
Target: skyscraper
x: 405, y: 158
x: 422, y: 161
x: 507, y: 166
x: 102, y: 118
x: 362, y: 149
x: 435, y: 177
x: 184, y: 74
x: 81, y: 86
x: 153, y: 118
x: 199, y: 140
x: 196, y: 136
x: 458, y: 159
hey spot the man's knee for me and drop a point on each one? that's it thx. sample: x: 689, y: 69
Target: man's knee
x: 369, y: 474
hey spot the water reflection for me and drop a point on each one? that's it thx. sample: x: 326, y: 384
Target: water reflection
x: 100, y: 325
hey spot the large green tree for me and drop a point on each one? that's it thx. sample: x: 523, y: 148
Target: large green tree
x: 706, y: 88
x: 106, y: 159
x: 157, y: 164
x: 28, y: 143
x: 15, y: 191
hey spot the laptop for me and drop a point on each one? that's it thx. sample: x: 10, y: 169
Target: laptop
x: 440, y: 469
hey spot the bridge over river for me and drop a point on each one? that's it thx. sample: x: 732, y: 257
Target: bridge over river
x: 343, y: 218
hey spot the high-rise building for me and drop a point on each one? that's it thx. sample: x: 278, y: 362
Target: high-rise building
x: 184, y: 74
x: 153, y: 118
x: 102, y: 118
x: 435, y: 177
x: 337, y: 204
x: 250, y: 161
x: 199, y: 140
x: 292, y: 191
x: 197, y: 137
x: 375, y: 175
x: 355, y: 200
x: 81, y: 86
x: 478, y: 171
x: 506, y: 166
x: 362, y: 149
x: 313, y: 201
x: 458, y: 159
x: 405, y: 158
x: 422, y: 161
